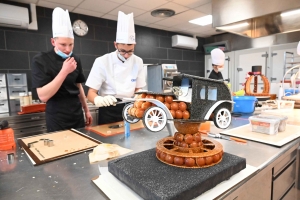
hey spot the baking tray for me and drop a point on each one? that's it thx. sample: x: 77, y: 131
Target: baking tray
x: 152, y: 179
x: 66, y: 143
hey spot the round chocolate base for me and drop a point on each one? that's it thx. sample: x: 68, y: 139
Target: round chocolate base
x: 208, y: 154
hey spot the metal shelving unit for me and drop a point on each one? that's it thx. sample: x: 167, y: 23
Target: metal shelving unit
x: 289, y: 62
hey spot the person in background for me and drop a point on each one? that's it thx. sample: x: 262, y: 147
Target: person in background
x: 117, y: 74
x: 217, y: 58
x: 57, y: 76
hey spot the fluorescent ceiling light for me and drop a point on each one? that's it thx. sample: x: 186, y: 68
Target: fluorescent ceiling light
x: 202, y: 21
x: 234, y: 26
x: 289, y: 13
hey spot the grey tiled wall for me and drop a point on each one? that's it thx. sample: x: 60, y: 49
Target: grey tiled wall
x: 18, y: 46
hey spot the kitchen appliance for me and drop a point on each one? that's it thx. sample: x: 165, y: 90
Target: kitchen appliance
x: 156, y: 74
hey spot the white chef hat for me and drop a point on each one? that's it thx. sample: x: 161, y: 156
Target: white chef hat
x: 125, y: 29
x: 298, y: 49
x: 61, y: 24
x: 217, y: 57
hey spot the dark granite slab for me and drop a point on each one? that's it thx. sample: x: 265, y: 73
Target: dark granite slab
x: 152, y: 179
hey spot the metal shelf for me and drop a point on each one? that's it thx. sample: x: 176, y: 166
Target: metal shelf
x: 289, y: 60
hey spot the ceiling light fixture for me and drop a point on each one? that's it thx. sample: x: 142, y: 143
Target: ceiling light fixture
x: 233, y: 26
x: 202, y: 21
x: 163, y: 13
x: 289, y: 13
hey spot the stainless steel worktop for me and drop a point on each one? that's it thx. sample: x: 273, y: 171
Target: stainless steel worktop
x: 70, y: 178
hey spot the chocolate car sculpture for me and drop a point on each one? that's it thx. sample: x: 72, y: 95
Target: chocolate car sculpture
x: 204, y: 98
x: 187, y: 106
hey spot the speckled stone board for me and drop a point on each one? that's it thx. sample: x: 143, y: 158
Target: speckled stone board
x: 152, y: 179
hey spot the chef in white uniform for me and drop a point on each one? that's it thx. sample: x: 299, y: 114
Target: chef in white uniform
x: 116, y: 75
x: 218, y: 59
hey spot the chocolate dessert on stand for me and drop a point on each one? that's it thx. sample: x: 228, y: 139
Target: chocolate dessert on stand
x: 194, y: 100
x: 187, y: 149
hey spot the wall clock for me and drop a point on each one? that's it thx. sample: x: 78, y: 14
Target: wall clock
x: 80, y: 28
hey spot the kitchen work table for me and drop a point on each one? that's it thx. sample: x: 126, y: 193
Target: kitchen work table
x: 70, y: 177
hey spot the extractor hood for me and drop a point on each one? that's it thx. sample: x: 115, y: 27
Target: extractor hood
x: 256, y: 18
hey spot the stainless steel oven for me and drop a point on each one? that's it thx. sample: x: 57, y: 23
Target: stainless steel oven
x: 155, y: 75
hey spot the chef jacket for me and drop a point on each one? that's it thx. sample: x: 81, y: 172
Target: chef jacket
x: 64, y: 109
x: 215, y: 75
x: 110, y: 76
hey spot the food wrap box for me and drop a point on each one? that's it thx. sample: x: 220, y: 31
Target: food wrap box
x: 264, y: 124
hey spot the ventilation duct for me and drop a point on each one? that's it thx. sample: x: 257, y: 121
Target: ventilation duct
x: 256, y: 18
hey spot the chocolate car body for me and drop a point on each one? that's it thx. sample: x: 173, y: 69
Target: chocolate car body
x: 208, y: 99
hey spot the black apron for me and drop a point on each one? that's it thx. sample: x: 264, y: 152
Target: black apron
x: 64, y: 113
x: 110, y: 114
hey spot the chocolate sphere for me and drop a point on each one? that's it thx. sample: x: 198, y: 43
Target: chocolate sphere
x: 188, y: 138
x: 200, y: 162
x: 189, y: 162
x: 178, y: 160
x: 197, y: 137
x: 208, y: 160
x: 162, y: 155
x: 169, y: 159
x: 216, y: 158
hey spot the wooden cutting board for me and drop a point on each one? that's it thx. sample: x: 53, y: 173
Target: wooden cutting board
x: 105, y: 130
x: 281, y: 138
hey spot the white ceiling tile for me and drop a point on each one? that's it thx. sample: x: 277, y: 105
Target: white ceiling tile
x: 73, y: 3
x: 204, y: 8
x: 147, y: 17
x: 26, y: 1
x: 201, y: 28
x: 54, y: 5
x: 127, y: 10
x: 119, y: 1
x: 98, y: 5
x: 146, y: 4
x: 157, y: 26
x: 189, y: 15
x: 88, y: 12
x: 173, y: 6
x: 111, y: 17
x: 168, y: 22
x: 192, y: 3
x: 108, y: 9
x: 141, y: 23
x: 185, y: 26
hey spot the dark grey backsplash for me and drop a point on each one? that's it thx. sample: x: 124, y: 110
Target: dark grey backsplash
x: 18, y: 46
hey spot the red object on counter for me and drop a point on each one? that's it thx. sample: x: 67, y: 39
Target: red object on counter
x: 34, y: 108
x: 7, y: 139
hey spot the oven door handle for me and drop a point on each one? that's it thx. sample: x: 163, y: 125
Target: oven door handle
x: 167, y: 79
x: 172, y: 73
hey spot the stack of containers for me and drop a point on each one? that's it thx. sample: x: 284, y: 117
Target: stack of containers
x: 268, y: 124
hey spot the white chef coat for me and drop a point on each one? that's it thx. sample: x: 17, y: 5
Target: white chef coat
x: 110, y: 76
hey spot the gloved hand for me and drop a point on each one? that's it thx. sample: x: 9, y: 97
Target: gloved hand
x: 105, y: 101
